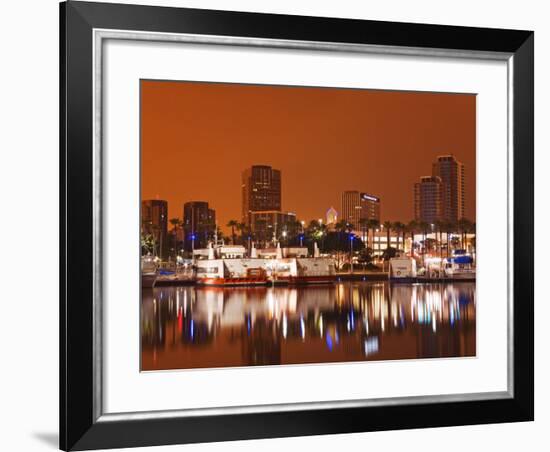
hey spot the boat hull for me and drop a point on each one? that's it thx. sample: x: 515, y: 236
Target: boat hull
x: 461, y: 276
x: 320, y: 279
x: 232, y: 282
x: 148, y: 280
x: 403, y: 280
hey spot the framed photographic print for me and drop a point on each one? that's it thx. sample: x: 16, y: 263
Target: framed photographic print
x: 282, y: 225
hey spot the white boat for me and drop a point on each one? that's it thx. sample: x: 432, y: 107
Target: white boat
x: 231, y: 272
x: 313, y: 270
x: 226, y: 266
x: 459, y: 266
x: 148, y: 271
x: 402, y: 269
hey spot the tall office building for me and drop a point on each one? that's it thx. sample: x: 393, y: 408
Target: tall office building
x: 370, y: 207
x: 261, y: 190
x: 451, y: 173
x: 154, y: 222
x: 428, y: 199
x: 358, y: 205
x: 199, y: 224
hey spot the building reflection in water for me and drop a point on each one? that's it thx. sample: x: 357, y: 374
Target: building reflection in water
x: 191, y: 327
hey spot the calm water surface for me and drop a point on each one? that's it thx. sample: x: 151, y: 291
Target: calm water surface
x: 192, y: 327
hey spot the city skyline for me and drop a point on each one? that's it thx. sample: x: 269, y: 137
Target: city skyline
x: 314, y: 134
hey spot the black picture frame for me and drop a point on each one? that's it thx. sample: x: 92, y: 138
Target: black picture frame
x: 80, y: 427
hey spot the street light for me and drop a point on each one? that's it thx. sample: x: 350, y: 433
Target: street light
x: 378, y: 237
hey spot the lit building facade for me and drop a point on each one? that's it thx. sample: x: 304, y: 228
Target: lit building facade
x: 358, y: 205
x: 199, y: 224
x: 261, y: 191
x: 332, y: 216
x: 428, y: 199
x: 451, y: 173
x: 154, y: 222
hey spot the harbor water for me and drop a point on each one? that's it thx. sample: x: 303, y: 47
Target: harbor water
x: 208, y: 327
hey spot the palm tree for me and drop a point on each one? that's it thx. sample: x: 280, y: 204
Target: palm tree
x: 340, y: 226
x: 349, y: 229
x: 374, y: 225
x: 233, y: 224
x: 387, y: 226
x: 424, y: 227
x: 412, y: 226
x: 400, y: 229
x: 364, y: 224
x: 449, y: 228
x: 241, y: 227
x: 176, y: 223
x: 439, y: 227
x: 464, y: 226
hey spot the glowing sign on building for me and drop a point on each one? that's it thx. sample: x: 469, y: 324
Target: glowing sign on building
x: 368, y: 197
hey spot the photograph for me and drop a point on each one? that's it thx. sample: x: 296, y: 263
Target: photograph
x: 298, y: 225
x: 268, y: 226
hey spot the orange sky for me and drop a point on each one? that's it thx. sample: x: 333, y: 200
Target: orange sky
x: 196, y: 138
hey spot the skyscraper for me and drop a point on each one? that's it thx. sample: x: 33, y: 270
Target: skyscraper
x: 428, y: 199
x: 154, y: 222
x: 370, y: 207
x: 199, y: 224
x: 357, y: 206
x: 451, y: 173
x: 261, y: 190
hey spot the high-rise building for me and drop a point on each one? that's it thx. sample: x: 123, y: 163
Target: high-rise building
x: 261, y: 190
x: 428, y: 199
x: 199, y: 224
x: 370, y: 207
x: 451, y: 173
x: 332, y: 216
x: 154, y: 222
x: 358, y: 205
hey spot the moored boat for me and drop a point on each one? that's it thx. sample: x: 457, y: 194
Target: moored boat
x: 148, y: 271
x: 314, y: 270
x: 402, y: 269
x: 231, y: 272
x: 459, y: 266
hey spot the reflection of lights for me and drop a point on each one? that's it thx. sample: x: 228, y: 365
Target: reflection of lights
x: 285, y: 326
x: 302, y: 327
x: 192, y: 329
x: 321, y: 325
x: 371, y: 345
x: 329, y: 341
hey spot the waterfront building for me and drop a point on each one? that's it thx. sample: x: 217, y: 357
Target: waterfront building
x: 154, y: 222
x: 268, y: 225
x: 332, y: 216
x: 359, y: 205
x: 428, y: 199
x: 199, y: 224
x: 261, y: 191
x: 451, y: 173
